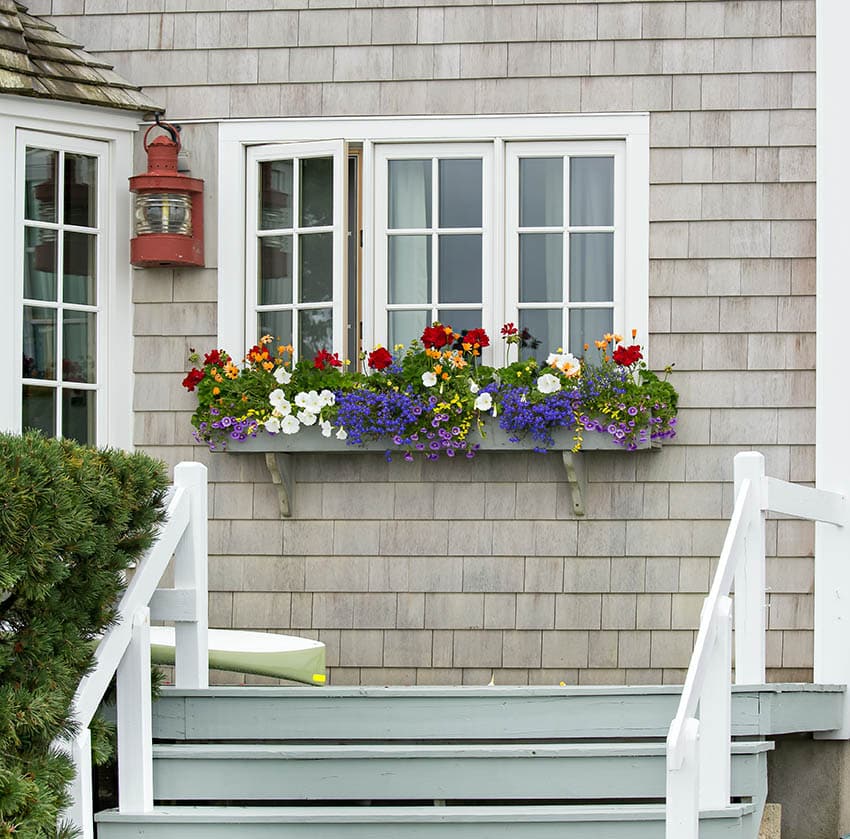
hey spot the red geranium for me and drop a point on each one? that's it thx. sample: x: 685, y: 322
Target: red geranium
x: 627, y: 356
x: 213, y: 357
x: 194, y: 377
x: 437, y: 336
x: 323, y: 357
x: 476, y: 336
x: 509, y: 329
x: 379, y: 359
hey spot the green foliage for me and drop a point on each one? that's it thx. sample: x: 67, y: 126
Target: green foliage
x: 72, y: 520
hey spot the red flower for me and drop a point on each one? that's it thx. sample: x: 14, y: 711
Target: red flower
x: 379, y: 359
x: 627, y: 356
x: 194, y: 377
x: 509, y: 329
x: 437, y: 336
x: 323, y: 357
x: 476, y: 336
x: 213, y: 357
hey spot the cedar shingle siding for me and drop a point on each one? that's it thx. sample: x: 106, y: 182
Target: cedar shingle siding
x: 440, y: 572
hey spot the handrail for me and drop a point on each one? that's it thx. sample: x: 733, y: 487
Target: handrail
x: 124, y: 650
x: 699, y: 750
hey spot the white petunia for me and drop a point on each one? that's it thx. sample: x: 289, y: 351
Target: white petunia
x: 272, y: 425
x: 282, y: 376
x: 566, y: 362
x: 289, y: 424
x: 326, y: 428
x: 276, y: 397
x: 306, y: 417
x: 473, y: 386
x: 483, y: 402
x: 341, y: 434
x: 429, y: 379
x: 327, y: 397
x: 548, y: 383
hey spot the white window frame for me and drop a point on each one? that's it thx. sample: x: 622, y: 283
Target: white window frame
x: 72, y: 127
x: 297, y: 151
x: 236, y: 137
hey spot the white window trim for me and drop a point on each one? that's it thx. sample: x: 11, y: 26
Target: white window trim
x: 236, y: 136
x: 66, y: 122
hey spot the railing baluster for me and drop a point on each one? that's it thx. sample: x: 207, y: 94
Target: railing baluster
x: 682, y: 810
x: 750, y: 576
x: 191, y: 669
x: 715, y: 712
x: 135, y: 731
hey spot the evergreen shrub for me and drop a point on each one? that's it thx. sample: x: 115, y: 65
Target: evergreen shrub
x: 72, y: 520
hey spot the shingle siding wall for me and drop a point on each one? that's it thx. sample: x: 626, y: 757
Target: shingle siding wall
x: 444, y: 572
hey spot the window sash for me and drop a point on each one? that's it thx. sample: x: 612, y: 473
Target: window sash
x: 254, y: 233
x: 58, y: 385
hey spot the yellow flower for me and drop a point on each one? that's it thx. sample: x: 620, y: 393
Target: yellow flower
x: 266, y: 339
x: 216, y: 391
x: 268, y: 366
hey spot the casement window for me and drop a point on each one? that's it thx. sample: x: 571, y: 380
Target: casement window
x: 65, y: 257
x: 474, y: 221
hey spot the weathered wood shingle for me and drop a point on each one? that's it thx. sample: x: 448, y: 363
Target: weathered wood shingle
x: 38, y: 60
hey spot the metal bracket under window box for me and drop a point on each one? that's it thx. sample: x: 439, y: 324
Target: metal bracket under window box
x: 280, y: 449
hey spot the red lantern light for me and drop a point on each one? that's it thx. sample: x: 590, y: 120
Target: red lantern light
x: 168, y: 220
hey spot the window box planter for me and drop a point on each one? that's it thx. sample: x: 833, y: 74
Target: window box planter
x: 279, y: 448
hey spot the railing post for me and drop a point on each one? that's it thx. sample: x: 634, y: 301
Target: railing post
x: 135, y: 753
x: 80, y: 812
x: 750, y: 576
x: 715, y: 716
x: 682, y: 808
x: 191, y: 655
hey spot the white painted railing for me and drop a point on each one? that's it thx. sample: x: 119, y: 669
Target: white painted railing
x: 125, y: 649
x: 699, y: 741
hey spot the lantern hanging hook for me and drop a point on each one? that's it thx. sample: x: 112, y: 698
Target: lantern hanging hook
x: 173, y: 131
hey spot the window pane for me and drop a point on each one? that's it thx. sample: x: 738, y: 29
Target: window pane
x: 315, y: 331
x: 460, y: 319
x: 275, y: 259
x: 592, y: 191
x: 587, y: 326
x: 409, y: 194
x: 409, y: 269
x: 541, y: 192
x: 79, y: 267
x: 460, y: 268
x: 544, y: 327
x: 40, y: 199
x: 460, y: 193
x: 317, y: 274
x: 403, y: 327
x: 79, y: 340
x: 78, y: 415
x: 591, y: 267
x: 317, y: 192
x: 80, y: 190
x: 39, y: 343
x: 39, y: 264
x: 276, y: 324
x: 276, y: 194
x: 39, y: 409
x: 541, y: 267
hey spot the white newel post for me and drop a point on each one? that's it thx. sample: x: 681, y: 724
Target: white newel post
x: 832, y: 544
x: 191, y: 655
x: 682, y: 817
x: 750, y: 576
x: 81, y: 811
x: 715, y: 712
x: 135, y: 754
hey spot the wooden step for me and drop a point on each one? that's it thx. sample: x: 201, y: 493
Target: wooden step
x: 493, y: 822
x: 502, y: 713
x: 229, y: 772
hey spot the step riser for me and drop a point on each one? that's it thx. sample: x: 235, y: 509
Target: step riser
x: 334, y: 714
x: 490, y: 778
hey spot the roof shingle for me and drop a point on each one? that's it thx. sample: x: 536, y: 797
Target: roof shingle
x: 38, y: 60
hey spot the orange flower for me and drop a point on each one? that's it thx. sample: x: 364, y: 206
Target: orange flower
x: 218, y: 379
x: 216, y: 391
x: 438, y: 369
x: 231, y: 370
x: 618, y: 338
x: 634, y: 334
x: 600, y: 345
x: 445, y: 376
x: 586, y: 347
x: 268, y: 366
x: 266, y: 339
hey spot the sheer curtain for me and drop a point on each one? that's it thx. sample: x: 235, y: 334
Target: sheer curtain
x: 409, y: 257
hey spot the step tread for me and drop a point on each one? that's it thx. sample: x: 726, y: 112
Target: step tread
x: 353, y: 815
x: 267, y: 751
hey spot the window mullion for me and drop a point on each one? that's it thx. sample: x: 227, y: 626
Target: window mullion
x: 565, y: 309
x: 435, y: 239
x: 60, y: 295
x: 296, y: 252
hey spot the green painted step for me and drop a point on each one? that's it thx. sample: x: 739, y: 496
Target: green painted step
x: 221, y: 772
x: 493, y: 822
x: 463, y: 713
